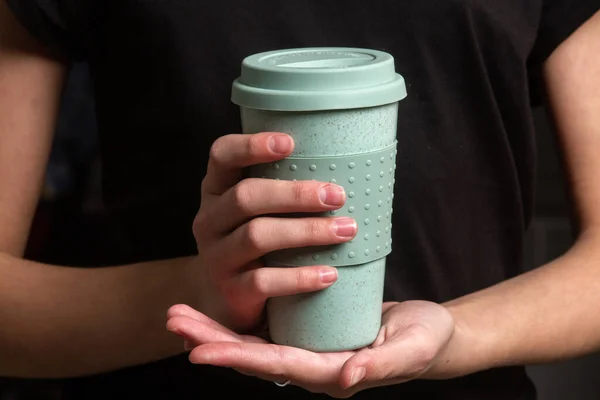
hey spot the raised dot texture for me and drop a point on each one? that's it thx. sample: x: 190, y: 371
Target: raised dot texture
x: 276, y: 166
x: 315, y: 257
x: 366, y: 184
x: 351, y: 254
x: 382, y: 160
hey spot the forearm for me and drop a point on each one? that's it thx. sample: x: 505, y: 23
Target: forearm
x: 548, y: 314
x: 59, y: 321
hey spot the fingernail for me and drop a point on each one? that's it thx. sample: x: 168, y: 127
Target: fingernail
x: 187, y: 345
x: 332, y: 195
x: 329, y: 275
x: 344, y: 227
x: 280, y: 144
x: 357, y: 375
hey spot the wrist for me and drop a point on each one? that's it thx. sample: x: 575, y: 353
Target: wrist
x: 467, y: 351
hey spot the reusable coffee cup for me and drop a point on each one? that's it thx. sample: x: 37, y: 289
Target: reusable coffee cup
x: 340, y: 105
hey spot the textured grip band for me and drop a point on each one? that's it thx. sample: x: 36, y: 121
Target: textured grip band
x: 368, y: 179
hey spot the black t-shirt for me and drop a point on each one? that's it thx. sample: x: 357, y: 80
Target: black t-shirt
x: 162, y: 71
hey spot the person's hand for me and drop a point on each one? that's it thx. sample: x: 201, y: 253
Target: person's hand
x: 411, y: 341
x: 234, y: 228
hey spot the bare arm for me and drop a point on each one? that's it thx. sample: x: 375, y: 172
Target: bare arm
x: 63, y: 321
x: 30, y: 88
x: 60, y: 322
x: 552, y: 312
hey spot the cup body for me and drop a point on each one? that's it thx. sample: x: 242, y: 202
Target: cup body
x: 352, y: 144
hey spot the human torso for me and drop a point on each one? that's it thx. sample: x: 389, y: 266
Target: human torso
x: 163, y: 70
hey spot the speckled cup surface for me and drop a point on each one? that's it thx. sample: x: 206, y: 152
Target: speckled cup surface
x: 347, y: 142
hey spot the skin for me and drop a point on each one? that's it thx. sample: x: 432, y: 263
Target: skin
x: 52, y: 313
x: 544, y: 315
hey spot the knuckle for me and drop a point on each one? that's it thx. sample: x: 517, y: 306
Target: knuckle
x: 254, y: 235
x: 204, y: 185
x: 243, y: 193
x: 254, y: 145
x: 301, y: 192
x: 215, y: 154
x: 279, y: 355
x: 199, y: 227
x: 305, y: 278
x: 260, y: 282
x: 314, y: 228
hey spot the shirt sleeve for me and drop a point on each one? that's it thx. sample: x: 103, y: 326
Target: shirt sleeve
x: 50, y: 22
x: 559, y: 19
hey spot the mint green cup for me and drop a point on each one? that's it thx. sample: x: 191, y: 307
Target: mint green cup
x: 340, y: 105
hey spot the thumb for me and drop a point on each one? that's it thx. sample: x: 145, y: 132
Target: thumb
x: 398, y: 359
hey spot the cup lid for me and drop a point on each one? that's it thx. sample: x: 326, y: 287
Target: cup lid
x: 320, y: 78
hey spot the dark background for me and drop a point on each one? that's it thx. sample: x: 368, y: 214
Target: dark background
x: 69, y: 228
